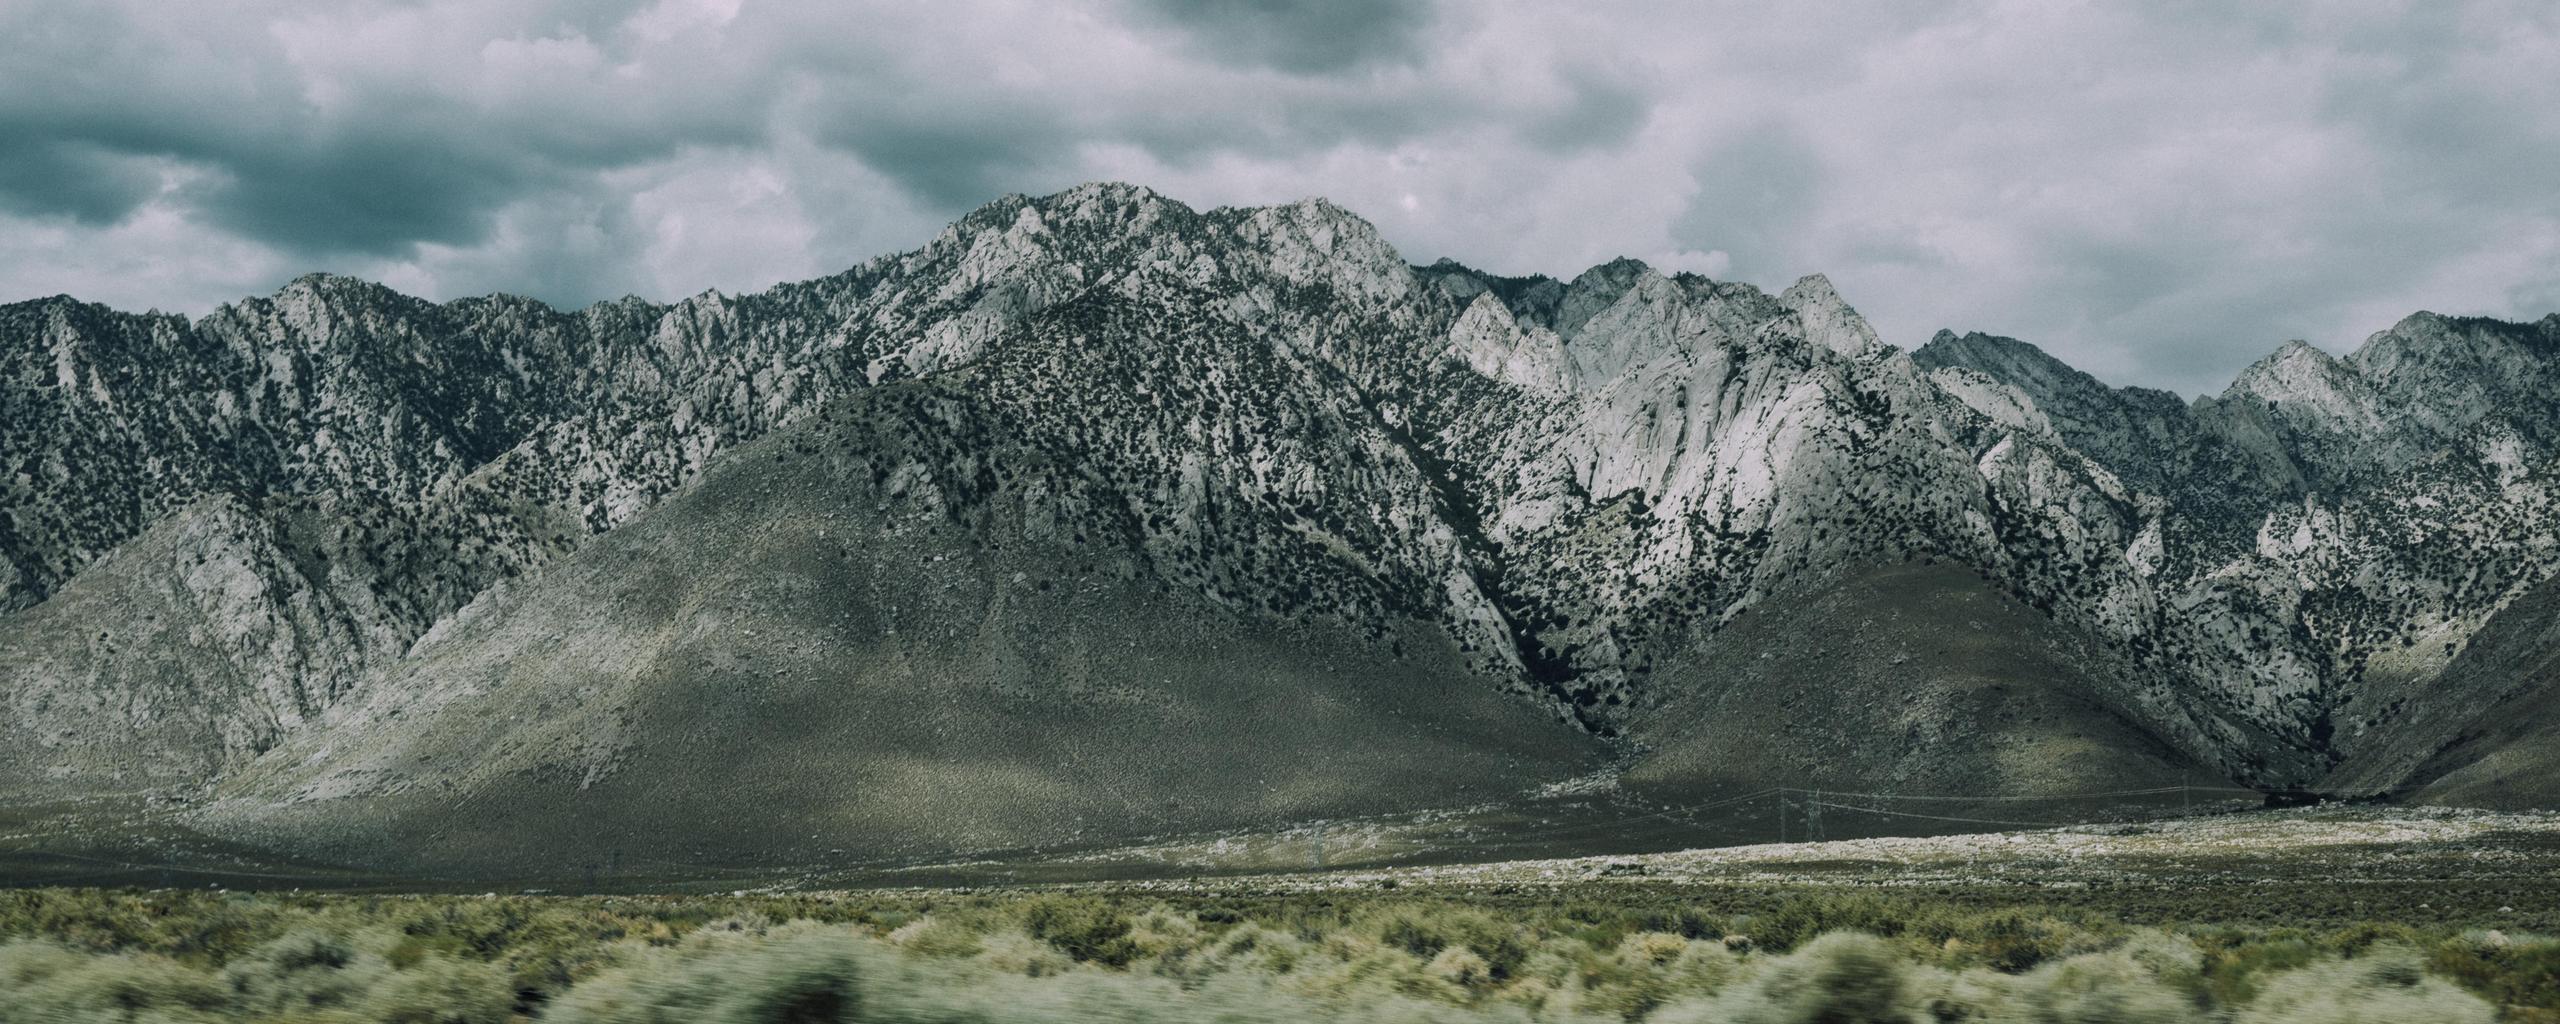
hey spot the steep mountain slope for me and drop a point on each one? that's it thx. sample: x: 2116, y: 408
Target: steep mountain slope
x: 1923, y: 678
x: 2356, y: 519
x: 852, y: 669
x: 2478, y: 732
x: 198, y: 637
x: 1746, y: 452
x: 292, y: 549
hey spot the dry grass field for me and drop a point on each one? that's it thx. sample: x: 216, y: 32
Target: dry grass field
x: 2324, y: 914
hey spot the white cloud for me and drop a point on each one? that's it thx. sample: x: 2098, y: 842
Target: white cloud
x: 155, y: 258
x: 2158, y: 193
x: 670, y: 19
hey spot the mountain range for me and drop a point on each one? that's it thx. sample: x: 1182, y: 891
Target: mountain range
x: 1098, y: 515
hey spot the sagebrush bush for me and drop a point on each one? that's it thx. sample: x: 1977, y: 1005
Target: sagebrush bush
x: 801, y: 976
x: 440, y: 990
x: 1838, y: 978
x: 2522, y: 970
x: 1083, y: 929
x: 42, y: 983
x: 2387, y: 985
x: 1250, y: 948
x: 1005, y: 958
x: 304, y: 971
x: 938, y: 936
x: 2137, y: 984
x: 1502, y: 944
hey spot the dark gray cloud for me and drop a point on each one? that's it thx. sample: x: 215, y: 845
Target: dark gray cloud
x: 1601, y: 110
x: 1300, y: 36
x: 955, y: 166
x: 2159, y: 193
x: 70, y: 178
x: 318, y: 160
x: 378, y: 196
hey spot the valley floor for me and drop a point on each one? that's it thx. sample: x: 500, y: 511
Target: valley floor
x: 2305, y: 914
x: 2222, y: 842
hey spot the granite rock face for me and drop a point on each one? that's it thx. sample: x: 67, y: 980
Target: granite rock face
x: 238, y: 534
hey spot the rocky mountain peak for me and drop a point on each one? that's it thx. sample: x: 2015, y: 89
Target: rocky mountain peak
x: 1595, y: 290
x: 1110, y: 194
x: 2022, y: 364
x: 2295, y: 356
x: 1494, y: 343
x: 47, y: 305
x: 1117, y: 211
x: 1604, y: 282
x: 1314, y: 242
x: 2310, y: 381
x: 2422, y: 322
x: 1828, y: 320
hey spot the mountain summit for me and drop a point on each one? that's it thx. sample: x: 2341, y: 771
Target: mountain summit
x: 1100, y: 515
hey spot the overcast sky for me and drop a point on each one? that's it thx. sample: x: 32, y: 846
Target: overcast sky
x: 2158, y: 192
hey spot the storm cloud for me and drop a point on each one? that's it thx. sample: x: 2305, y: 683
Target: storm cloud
x: 2159, y: 193
x: 1313, y: 36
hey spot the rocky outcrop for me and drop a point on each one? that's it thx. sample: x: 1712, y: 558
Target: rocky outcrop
x: 2340, y: 527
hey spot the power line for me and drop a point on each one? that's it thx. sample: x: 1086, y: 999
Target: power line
x: 1825, y: 796
x: 1620, y: 823
x: 1945, y: 817
x: 2043, y: 798
x: 115, y: 866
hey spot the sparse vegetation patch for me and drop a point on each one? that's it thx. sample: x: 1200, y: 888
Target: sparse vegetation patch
x: 1589, y: 953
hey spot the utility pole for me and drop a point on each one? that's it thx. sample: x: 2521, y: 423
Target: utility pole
x: 1813, y: 817
x: 1319, y: 846
x: 1782, y: 814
